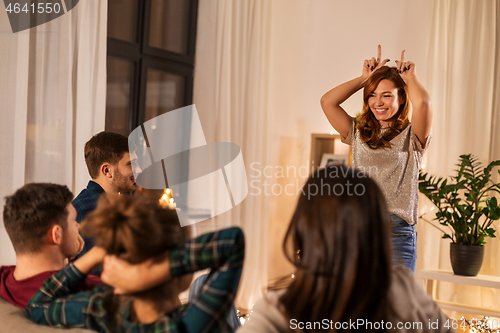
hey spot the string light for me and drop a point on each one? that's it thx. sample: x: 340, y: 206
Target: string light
x: 244, y: 317
x: 167, y: 200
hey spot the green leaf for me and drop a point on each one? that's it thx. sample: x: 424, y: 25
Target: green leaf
x: 494, y: 215
x: 492, y: 203
x: 490, y: 166
x: 493, y: 208
x: 490, y: 232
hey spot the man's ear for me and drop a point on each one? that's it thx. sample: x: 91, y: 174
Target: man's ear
x: 54, y: 235
x: 107, y: 170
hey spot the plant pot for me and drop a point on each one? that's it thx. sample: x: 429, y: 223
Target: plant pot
x: 466, y: 259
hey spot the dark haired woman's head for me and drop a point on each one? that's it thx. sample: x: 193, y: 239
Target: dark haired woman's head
x: 339, y: 242
x: 136, y: 229
x: 385, y: 103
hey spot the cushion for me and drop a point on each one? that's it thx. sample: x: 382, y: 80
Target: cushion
x: 13, y: 320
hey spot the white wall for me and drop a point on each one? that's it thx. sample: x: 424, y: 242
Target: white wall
x: 12, y: 125
x: 316, y: 45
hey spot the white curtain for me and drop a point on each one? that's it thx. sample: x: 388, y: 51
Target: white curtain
x: 230, y: 95
x: 53, y: 92
x: 463, y: 82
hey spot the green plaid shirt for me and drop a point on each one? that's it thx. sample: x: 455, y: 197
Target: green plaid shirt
x: 58, y: 304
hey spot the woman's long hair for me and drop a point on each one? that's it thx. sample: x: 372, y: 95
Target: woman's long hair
x: 339, y: 242
x: 368, y: 126
x: 135, y: 229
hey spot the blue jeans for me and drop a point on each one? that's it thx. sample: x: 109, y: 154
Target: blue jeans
x: 404, y: 243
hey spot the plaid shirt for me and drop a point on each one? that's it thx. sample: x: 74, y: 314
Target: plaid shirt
x: 85, y: 203
x: 58, y: 304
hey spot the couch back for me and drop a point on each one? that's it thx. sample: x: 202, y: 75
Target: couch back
x: 13, y: 320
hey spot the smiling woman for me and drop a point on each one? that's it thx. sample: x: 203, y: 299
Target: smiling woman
x: 384, y: 102
x: 385, y: 143
x: 386, y: 105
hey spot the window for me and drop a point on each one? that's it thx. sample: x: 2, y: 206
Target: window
x: 150, y: 64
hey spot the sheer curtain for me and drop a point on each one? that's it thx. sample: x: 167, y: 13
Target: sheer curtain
x: 463, y: 82
x: 53, y: 100
x: 230, y: 95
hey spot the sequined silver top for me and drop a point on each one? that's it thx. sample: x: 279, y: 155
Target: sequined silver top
x: 394, y: 169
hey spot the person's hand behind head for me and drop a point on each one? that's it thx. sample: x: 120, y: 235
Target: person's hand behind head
x: 127, y: 278
x: 121, y: 275
x: 371, y: 65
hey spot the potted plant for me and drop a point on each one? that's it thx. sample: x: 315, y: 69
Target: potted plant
x: 465, y: 206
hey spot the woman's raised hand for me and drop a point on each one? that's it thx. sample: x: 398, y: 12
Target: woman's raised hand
x: 405, y: 68
x: 371, y: 65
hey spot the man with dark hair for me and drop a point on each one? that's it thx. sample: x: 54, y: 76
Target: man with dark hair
x: 41, y: 223
x: 110, y: 166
